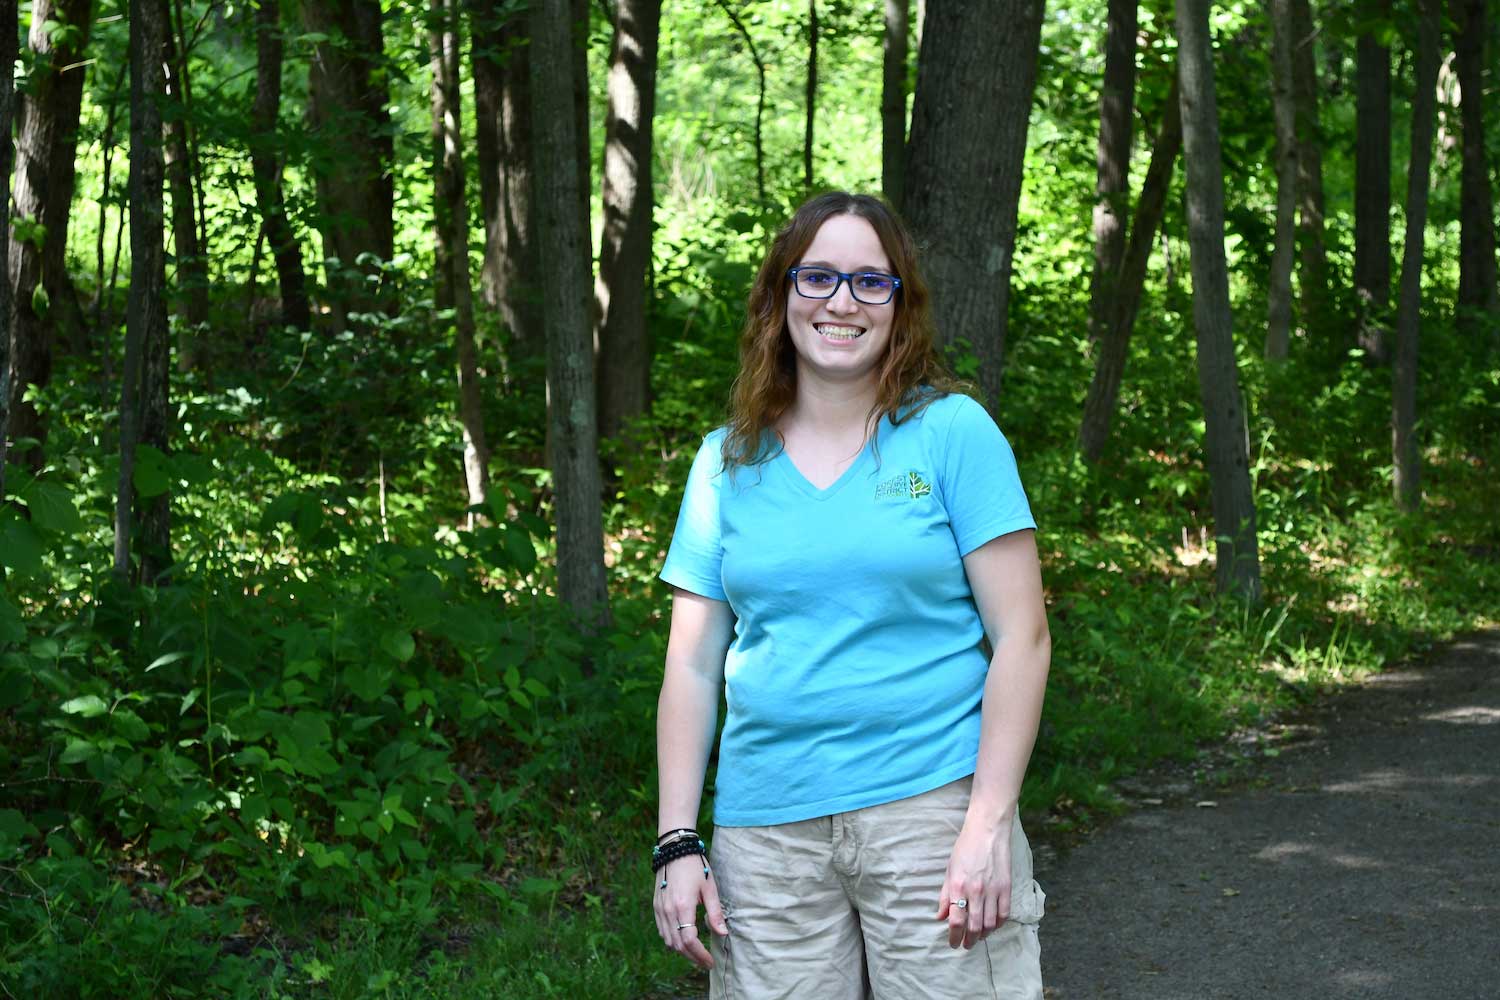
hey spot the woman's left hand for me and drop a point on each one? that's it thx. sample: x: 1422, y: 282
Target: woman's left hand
x: 978, y: 873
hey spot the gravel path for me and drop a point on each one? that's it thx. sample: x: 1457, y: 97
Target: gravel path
x: 1364, y: 861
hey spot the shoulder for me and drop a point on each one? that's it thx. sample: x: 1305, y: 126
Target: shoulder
x: 944, y: 415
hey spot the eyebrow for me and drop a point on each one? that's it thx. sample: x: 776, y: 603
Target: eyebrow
x: 876, y: 268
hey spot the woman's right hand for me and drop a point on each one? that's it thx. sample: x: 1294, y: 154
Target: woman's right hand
x: 676, y: 906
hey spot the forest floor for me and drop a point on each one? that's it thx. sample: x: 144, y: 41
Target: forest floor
x: 1349, y: 851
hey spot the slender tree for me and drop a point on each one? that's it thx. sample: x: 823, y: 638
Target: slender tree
x: 1478, y: 293
x: 893, y: 101
x: 45, y: 151
x: 760, y: 99
x: 812, y: 95
x: 1313, y: 272
x: 349, y: 114
x: 510, y: 281
x: 1284, y: 108
x: 143, y: 383
x: 1226, y: 433
x: 286, y: 251
x: 573, y: 432
x: 450, y: 215
x: 1372, y: 179
x: 625, y: 246
x: 9, y: 43
x: 1406, y: 453
x: 968, y: 143
x: 1112, y: 188
x: 1114, y: 346
x: 187, y: 250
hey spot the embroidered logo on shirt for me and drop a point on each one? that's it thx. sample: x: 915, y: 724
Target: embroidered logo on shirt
x: 906, y: 486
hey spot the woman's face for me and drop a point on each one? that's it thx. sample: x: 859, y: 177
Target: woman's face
x: 840, y: 339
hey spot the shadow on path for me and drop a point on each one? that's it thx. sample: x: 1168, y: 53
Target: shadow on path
x: 1366, y: 862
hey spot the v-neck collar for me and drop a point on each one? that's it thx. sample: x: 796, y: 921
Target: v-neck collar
x: 804, y: 485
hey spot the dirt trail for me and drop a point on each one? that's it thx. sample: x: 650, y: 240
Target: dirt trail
x: 1364, y: 861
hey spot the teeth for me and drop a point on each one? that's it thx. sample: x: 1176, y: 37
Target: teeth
x: 839, y: 332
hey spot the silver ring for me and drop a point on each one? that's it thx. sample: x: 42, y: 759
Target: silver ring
x: 962, y: 904
x: 681, y: 926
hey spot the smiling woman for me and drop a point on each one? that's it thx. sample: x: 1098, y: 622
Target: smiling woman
x: 845, y: 543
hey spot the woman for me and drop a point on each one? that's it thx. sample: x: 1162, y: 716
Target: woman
x: 845, y: 543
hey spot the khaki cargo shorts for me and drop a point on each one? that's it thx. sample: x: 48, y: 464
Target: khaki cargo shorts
x: 844, y: 907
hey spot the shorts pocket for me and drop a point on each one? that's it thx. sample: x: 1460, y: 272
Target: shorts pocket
x: 1028, y: 903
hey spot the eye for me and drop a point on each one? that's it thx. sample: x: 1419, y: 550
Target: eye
x: 816, y: 278
x: 873, y: 281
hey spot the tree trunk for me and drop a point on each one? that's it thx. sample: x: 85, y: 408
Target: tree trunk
x: 187, y: 252
x: 9, y: 43
x: 1372, y: 182
x: 968, y: 144
x: 1284, y: 106
x: 285, y: 250
x: 1313, y: 279
x: 1114, y: 347
x: 565, y: 267
x: 1477, y: 291
x: 46, y: 148
x: 812, y: 95
x: 1406, y: 453
x: 451, y: 229
x: 625, y: 247
x: 348, y: 110
x: 510, y: 281
x: 143, y: 386
x: 1112, y: 188
x: 1226, y: 432
x: 893, y: 102
x: 760, y: 101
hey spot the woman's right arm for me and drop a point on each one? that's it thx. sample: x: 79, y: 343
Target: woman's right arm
x: 687, y: 714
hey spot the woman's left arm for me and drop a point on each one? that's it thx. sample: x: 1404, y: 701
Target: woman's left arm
x: 1005, y: 576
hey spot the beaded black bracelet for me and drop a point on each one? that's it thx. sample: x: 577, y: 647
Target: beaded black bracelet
x: 685, y: 848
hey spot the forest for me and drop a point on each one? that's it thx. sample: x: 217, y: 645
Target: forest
x: 354, y: 353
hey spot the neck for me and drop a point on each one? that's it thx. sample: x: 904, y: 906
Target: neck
x: 833, y: 406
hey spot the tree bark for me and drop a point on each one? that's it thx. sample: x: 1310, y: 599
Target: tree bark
x: 1284, y: 107
x: 625, y: 246
x: 143, y: 386
x: 1114, y: 347
x: 510, y: 281
x: 46, y: 148
x: 893, y: 102
x: 451, y: 230
x: 1372, y: 182
x: 968, y: 144
x: 187, y: 251
x: 1405, y: 448
x: 1313, y: 278
x: 812, y: 95
x: 1478, y: 294
x: 1226, y: 431
x: 1112, y: 188
x: 348, y: 109
x: 565, y: 267
x: 9, y: 44
x: 291, y: 279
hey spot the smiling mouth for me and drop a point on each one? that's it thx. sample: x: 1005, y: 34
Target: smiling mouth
x: 837, y: 332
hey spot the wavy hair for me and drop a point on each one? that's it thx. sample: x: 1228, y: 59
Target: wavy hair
x: 911, y: 373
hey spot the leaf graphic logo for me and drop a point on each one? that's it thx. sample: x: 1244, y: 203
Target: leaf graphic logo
x: 918, y: 486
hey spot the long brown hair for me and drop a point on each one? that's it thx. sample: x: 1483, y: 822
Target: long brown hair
x: 911, y: 373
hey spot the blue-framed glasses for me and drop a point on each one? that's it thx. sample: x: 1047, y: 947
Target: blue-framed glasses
x: 873, y: 288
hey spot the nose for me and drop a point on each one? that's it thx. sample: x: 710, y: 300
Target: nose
x: 842, y: 300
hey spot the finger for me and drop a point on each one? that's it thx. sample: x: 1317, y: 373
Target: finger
x: 943, y: 904
x: 713, y: 910
x: 957, y: 922
x: 693, y: 948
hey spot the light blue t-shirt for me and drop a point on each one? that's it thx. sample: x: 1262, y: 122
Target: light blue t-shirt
x: 855, y: 674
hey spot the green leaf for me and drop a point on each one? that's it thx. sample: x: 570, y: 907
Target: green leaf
x: 399, y: 643
x: 51, y: 507
x: 78, y: 751
x: 88, y: 706
x: 166, y: 658
x: 21, y: 548
x: 12, y: 626
x: 150, y: 475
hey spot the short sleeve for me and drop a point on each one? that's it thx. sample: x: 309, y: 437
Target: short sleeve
x: 696, y: 554
x: 981, y: 488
